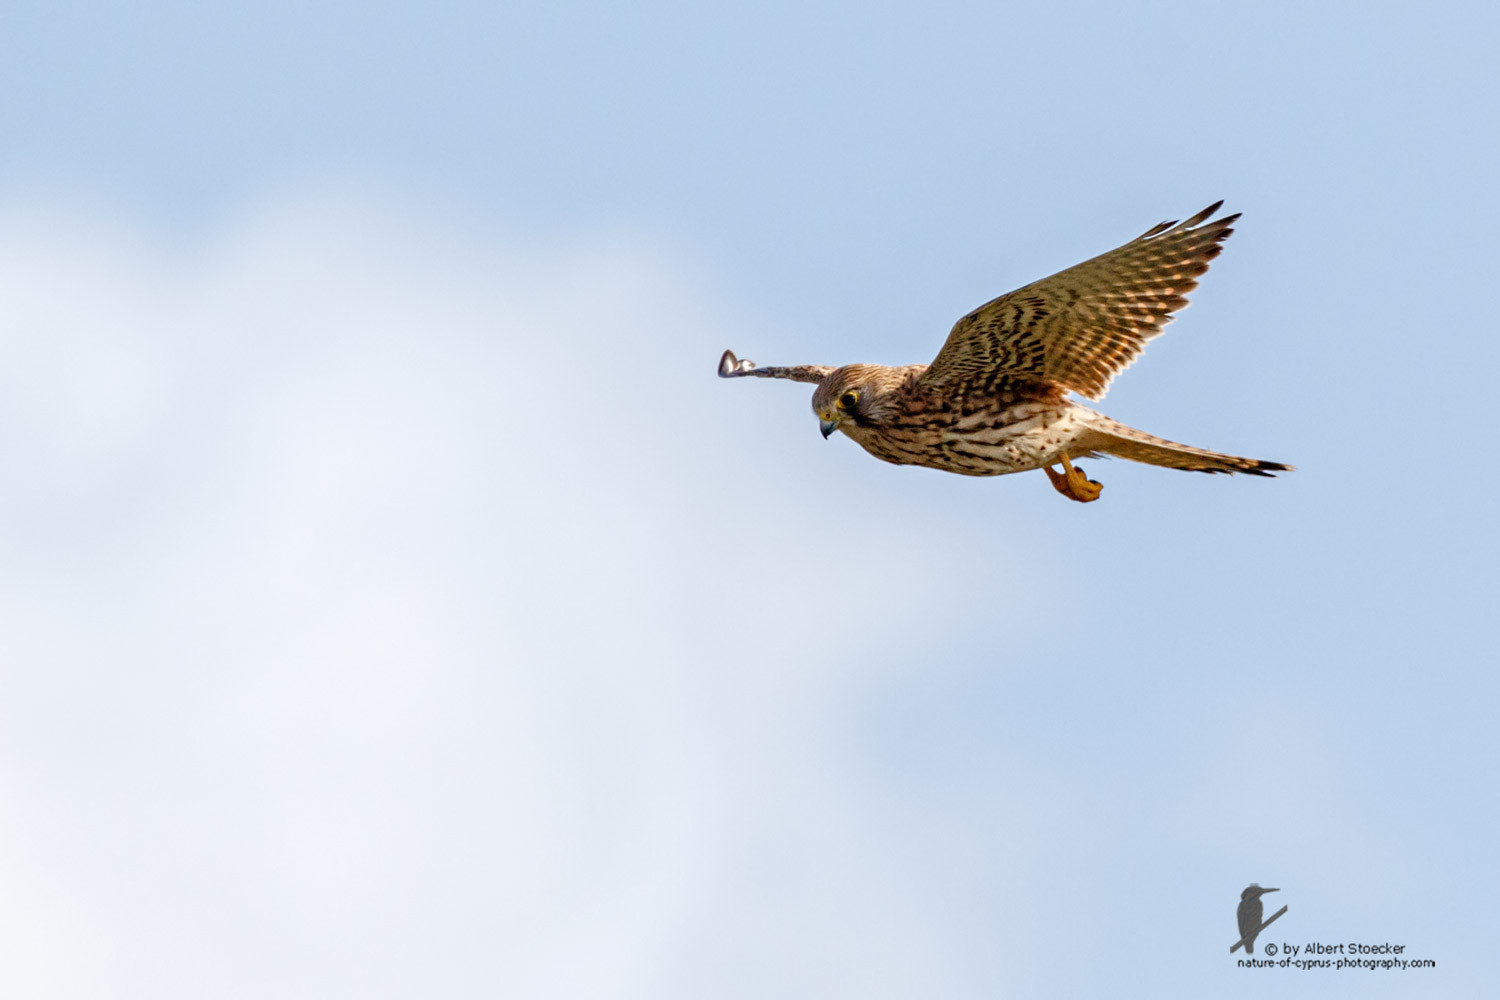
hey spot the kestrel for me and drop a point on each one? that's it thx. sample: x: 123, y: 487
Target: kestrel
x: 995, y: 399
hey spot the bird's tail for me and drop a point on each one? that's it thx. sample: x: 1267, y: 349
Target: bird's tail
x: 1250, y: 947
x: 1114, y: 438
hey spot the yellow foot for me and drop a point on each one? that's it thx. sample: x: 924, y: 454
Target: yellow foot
x: 1072, y: 483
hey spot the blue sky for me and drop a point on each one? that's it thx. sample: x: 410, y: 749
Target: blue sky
x: 395, y: 603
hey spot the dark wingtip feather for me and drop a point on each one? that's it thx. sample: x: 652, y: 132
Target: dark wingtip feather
x: 1223, y: 228
x: 1196, y: 220
x: 1204, y: 215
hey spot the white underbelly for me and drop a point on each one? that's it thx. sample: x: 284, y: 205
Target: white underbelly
x: 1038, y: 437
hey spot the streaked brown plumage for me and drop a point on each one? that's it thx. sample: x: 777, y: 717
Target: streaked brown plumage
x: 994, y: 400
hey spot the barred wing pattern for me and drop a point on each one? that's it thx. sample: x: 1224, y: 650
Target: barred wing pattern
x: 1081, y: 327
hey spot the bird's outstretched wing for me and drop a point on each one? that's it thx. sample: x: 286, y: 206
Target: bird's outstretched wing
x: 732, y: 367
x: 1079, y: 328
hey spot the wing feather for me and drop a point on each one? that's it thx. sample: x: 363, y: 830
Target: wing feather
x: 1081, y: 327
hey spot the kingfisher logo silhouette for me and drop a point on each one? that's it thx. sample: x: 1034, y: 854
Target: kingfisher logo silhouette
x: 1250, y: 911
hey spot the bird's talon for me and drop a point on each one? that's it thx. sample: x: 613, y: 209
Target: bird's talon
x: 1073, y: 484
x: 1086, y: 490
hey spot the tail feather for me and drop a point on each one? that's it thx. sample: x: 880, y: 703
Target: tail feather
x: 1111, y: 437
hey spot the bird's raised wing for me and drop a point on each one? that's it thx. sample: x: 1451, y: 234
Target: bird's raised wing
x: 1081, y: 327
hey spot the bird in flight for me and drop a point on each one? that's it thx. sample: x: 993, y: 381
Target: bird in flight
x: 995, y: 399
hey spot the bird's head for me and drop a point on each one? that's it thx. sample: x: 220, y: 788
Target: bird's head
x: 1253, y: 891
x: 855, y: 396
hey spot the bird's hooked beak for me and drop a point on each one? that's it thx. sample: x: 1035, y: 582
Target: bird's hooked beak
x: 828, y: 422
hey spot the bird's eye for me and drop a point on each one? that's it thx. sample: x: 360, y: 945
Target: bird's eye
x: 847, y: 400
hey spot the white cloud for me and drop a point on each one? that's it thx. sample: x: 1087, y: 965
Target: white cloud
x: 390, y: 610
